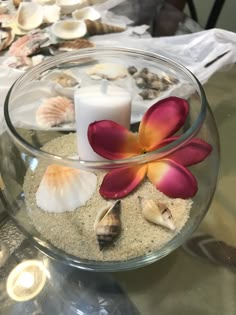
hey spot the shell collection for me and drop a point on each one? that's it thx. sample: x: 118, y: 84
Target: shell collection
x: 108, y: 224
x: 150, y: 83
x: 65, y: 189
x: 55, y: 111
x: 43, y: 25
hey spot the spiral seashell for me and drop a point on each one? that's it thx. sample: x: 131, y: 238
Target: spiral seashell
x: 108, y: 224
x: 55, y: 111
x: 98, y: 28
x: 64, y: 188
x: 157, y: 213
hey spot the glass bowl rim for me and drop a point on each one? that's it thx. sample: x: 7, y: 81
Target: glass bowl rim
x: 88, y: 53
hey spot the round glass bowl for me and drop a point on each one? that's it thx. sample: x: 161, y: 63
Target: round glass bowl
x: 29, y: 146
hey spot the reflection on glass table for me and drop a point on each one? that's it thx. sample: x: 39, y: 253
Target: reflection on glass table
x: 181, y: 283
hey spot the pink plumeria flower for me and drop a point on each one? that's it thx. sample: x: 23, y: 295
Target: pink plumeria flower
x: 169, y: 174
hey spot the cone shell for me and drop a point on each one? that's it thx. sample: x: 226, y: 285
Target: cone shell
x: 108, y: 224
x: 98, y: 28
x: 65, y: 189
x: 55, y: 111
x: 157, y: 213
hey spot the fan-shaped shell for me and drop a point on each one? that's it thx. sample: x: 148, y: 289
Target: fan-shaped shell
x: 29, y: 16
x: 157, y: 213
x: 69, y: 29
x: 108, y: 224
x: 88, y: 13
x: 65, y: 189
x: 98, y: 28
x: 55, y: 111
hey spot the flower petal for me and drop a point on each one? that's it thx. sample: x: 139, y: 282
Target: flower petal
x: 192, y: 152
x: 120, y: 182
x: 162, y: 120
x: 173, y: 179
x: 112, y: 140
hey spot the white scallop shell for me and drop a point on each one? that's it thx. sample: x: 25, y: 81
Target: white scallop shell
x: 55, y: 111
x: 51, y: 13
x: 29, y: 15
x: 110, y: 71
x: 88, y: 13
x: 65, y: 189
x: 68, y: 6
x: 69, y: 29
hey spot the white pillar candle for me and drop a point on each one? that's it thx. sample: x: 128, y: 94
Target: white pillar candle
x: 99, y: 102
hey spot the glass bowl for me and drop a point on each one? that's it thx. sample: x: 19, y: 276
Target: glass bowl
x: 28, y: 148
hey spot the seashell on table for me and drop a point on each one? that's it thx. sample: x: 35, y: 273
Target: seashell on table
x: 69, y: 29
x: 64, y: 78
x: 65, y: 189
x: 99, y: 28
x: 87, y: 13
x: 109, y: 71
x: 67, y: 82
x: 29, y: 44
x: 108, y: 224
x: 72, y: 45
x: 55, y: 111
x: 68, y: 6
x: 29, y: 16
x: 51, y: 13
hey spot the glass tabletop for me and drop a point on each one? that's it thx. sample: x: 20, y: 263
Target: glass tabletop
x: 198, y: 278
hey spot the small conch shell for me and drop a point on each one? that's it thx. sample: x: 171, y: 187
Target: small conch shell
x: 99, y: 28
x: 157, y: 213
x: 107, y: 224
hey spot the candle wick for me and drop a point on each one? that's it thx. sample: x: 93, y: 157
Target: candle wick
x: 104, y: 86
